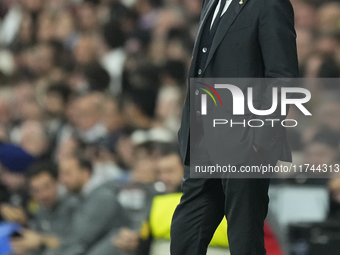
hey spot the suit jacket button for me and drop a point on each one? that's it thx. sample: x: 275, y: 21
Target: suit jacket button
x: 200, y: 71
x: 204, y: 50
x: 197, y: 92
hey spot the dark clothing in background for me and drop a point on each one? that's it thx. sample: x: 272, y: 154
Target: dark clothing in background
x: 56, y: 221
x: 136, y: 199
x: 97, y: 218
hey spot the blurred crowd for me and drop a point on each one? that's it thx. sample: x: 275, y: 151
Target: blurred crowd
x: 91, y: 93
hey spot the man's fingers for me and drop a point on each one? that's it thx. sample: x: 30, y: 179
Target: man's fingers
x: 11, y: 213
x: 17, y: 245
x: 7, y: 213
x: 123, y: 244
x: 24, y: 231
x: 5, y: 209
x: 18, y: 250
x: 119, y: 243
x: 16, y: 242
x: 129, y: 234
x: 126, y: 239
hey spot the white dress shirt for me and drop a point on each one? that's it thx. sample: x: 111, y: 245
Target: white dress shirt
x: 218, y: 8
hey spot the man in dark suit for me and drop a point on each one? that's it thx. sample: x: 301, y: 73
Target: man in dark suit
x: 236, y: 39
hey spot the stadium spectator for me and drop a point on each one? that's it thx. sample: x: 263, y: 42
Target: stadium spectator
x: 55, y: 210
x: 14, y: 204
x: 97, y: 216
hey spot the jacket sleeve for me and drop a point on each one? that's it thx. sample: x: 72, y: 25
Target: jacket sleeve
x: 93, y: 224
x: 277, y: 39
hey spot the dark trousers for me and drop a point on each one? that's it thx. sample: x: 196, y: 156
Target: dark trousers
x: 205, y: 202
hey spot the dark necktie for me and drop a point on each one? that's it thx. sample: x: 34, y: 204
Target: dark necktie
x: 217, y: 18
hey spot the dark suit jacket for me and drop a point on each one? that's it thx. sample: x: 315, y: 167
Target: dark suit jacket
x: 254, y: 39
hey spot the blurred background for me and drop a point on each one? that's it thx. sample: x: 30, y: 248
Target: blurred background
x: 91, y: 94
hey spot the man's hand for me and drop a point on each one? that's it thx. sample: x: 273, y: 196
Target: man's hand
x: 29, y: 241
x: 15, y: 214
x: 126, y: 240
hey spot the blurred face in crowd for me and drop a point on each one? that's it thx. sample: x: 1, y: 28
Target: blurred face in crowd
x: 32, y: 5
x: 167, y: 102
x: 142, y: 6
x: 328, y: 115
x: 320, y: 153
x: 131, y: 113
x: 175, y: 50
x: 33, y: 138
x: 55, y: 5
x: 193, y: 7
x: 134, y: 116
x: 13, y: 181
x: 170, y: 172
x: 30, y: 110
x: 23, y: 91
x: 72, y: 175
x: 144, y: 169
x: 87, y: 112
x: 111, y: 116
x: 328, y: 17
x: 305, y: 14
x: 67, y: 148
x: 85, y: 52
x: 327, y: 45
x: 3, y: 133
x: 125, y: 151
x: 45, y: 30
x: 26, y: 29
x: 168, y: 18
x: 43, y: 188
x: 4, y: 111
x: 54, y: 104
x: 44, y: 58
x: 87, y: 17
x: 63, y: 26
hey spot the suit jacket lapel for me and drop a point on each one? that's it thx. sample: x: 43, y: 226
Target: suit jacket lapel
x: 227, y: 20
x: 205, y: 15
